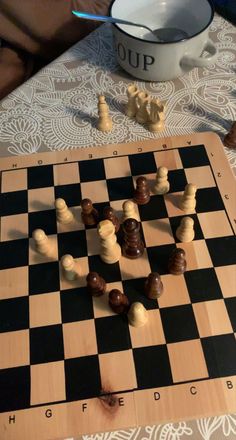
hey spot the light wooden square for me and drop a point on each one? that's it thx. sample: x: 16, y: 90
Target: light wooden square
x: 93, y: 242
x: 202, y: 177
x: 117, y: 206
x: 196, y: 254
x: 44, y: 309
x: 14, y: 227
x: 214, y: 224
x: 66, y: 173
x: 47, y: 383
x: 150, y: 334
x: 36, y: 258
x: 212, y: 318
x: 15, y: 180
x: 169, y: 159
x: 14, y: 349
x: 157, y: 232
x: 134, y: 268
x: 172, y: 201
x: 79, y: 339
x: 95, y: 191
x: 175, y: 291
x: 82, y: 268
x: 187, y: 361
x: 101, y: 306
x: 75, y: 225
x: 117, y: 167
x: 113, y: 376
x: 41, y: 199
x: 10, y: 278
x: 227, y: 279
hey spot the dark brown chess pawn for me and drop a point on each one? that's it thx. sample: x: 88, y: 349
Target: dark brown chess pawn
x: 118, y: 302
x: 177, y: 263
x: 89, y: 214
x: 109, y: 214
x: 96, y: 285
x: 230, y: 138
x: 153, y: 287
x: 133, y: 246
x: 142, y: 192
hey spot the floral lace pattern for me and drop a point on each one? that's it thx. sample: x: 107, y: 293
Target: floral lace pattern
x: 57, y: 108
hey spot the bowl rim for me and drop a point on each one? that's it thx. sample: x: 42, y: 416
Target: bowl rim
x: 163, y: 42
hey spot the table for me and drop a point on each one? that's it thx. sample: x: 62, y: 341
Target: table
x: 57, y: 110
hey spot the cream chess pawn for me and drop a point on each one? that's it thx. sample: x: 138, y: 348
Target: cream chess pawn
x: 162, y: 185
x: 63, y: 213
x: 137, y: 315
x: 110, y: 249
x: 156, y: 116
x: 69, y: 267
x: 104, y: 120
x: 132, y: 106
x: 42, y: 242
x: 188, y: 200
x: 185, y: 231
x: 129, y: 210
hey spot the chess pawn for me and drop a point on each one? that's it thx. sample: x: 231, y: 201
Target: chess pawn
x: 162, y: 185
x: 141, y: 193
x: 156, y: 116
x: 129, y: 210
x: 42, y: 243
x: 177, y: 263
x: 96, y: 285
x: 69, y: 267
x: 104, y: 120
x: 132, y: 107
x: 153, y: 287
x: 185, y: 232
x: 89, y: 214
x: 63, y: 213
x: 110, y: 249
x: 109, y: 214
x: 230, y: 138
x: 188, y: 200
x: 118, y: 302
x: 137, y: 315
x: 142, y: 114
x: 132, y: 246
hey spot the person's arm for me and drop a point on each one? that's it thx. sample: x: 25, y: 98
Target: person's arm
x: 42, y: 29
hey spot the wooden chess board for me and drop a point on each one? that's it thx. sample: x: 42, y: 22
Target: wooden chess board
x: 68, y: 364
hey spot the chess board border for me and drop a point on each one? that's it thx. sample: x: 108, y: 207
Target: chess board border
x: 134, y: 408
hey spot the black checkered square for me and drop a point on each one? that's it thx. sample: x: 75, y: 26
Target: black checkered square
x: 134, y: 289
x: 76, y: 305
x: 152, y: 367
x: 121, y: 188
x: 44, y: 278
x: 14, y: 253
x: 14, y: 388
x: 220, y: 355
x: 142, y: 164
x: 202, y: 285
x: 46, y: 344
x: 70, y: 193
x: 222, y: 250
x: 112, y: 334
x: 15, y: 202
x: 159, y: 257
x: 91, y: 170
x: 179, y: 323
x: 40, y: 176
x: 14, y: 314
x: 110, y: 272
x: 82, y: 378
x: 73, y: 243
x: 45, y: 220
x: 194, y: 156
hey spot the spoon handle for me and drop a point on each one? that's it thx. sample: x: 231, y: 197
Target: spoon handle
x: 108, y: 19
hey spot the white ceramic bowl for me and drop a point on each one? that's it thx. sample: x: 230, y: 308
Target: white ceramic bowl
x: 185, y: 26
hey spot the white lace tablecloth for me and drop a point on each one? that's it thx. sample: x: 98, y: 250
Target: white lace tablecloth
x: 57, y: 110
